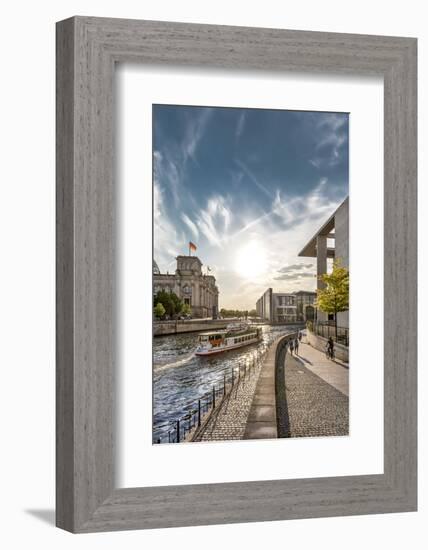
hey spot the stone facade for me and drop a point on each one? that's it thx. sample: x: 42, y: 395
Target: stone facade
x: 305, y: 305
x: 197, y: 290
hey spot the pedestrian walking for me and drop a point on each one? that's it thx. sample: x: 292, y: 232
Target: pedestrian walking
x: 300, y: 335
x: 296, y: 346
x: 291, y: 346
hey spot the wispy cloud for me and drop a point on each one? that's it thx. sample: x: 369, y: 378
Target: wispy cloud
x: 332, y: 135
x: 190, y: 225
x: 168, y: 241
x: 295, y: 272
x: 167, y: 172
x: 195, y: 131
x: 170, y: 164
x: 214, y: 220
x: 253, y: 178
x: 240, y: 125
x: 295, y: 267
x: 300, y: 209
x: 294, y: 276
x: 288, y: 212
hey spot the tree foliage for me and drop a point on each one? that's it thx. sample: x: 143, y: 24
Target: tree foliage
x: 170, y: 301
x: 159, y: 310
x: 335, y: 296
x: 234, y: 313
x: 186, y: 309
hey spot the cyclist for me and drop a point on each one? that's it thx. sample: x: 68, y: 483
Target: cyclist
x: 330, y: 348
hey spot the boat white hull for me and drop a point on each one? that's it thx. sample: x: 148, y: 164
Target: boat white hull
x: 221, y: 349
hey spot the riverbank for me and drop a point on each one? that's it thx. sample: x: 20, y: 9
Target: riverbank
x: 165, y: 328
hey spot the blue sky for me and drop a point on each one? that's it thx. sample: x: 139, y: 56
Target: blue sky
x: 249, y: 187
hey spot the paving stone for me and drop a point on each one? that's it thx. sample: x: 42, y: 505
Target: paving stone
x: 230, y: 420
x: 315, y: 408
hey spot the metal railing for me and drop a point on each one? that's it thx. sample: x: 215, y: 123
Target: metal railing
x: 328, y: 330
x: 184, y: 427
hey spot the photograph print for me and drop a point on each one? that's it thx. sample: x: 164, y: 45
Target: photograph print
x: 250, y: 274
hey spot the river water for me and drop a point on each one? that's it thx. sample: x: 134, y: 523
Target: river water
x: 180, y: 377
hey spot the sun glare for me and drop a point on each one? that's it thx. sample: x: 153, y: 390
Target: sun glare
x: 251, y: 260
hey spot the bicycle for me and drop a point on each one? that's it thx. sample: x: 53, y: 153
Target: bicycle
x: 329, y: 353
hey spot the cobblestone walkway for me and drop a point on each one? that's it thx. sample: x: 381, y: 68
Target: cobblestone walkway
x: 315, y: 407
x: 230, y: 420
x: 335, y: 373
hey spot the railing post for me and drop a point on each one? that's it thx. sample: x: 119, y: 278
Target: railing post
x: 178, y: 431
x: 224, y: 384
x: 199, y: 413
x: 232, y: 377
x: 213, y: 397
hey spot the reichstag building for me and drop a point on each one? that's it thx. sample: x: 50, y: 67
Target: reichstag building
x: 196, y: 289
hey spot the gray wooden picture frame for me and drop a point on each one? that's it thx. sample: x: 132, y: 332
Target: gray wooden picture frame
x: 87, y: 50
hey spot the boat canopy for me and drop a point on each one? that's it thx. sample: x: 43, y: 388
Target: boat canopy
x: 213, y: 333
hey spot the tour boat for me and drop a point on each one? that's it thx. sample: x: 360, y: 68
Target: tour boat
x: 233, y: 337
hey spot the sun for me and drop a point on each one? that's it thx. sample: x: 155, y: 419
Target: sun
x: 251, y: 260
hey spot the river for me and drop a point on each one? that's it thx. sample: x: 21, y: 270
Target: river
x: 180, y: 377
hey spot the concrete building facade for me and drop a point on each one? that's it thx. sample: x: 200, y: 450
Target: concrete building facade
x: 283, y: 307
x: 264, y: 305
x: 197, y: 290
x: 331, y: 241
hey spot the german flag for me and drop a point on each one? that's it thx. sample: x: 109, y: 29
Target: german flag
x: 192, y: 248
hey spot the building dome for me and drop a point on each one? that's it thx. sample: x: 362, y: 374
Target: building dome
x: 156, y: 270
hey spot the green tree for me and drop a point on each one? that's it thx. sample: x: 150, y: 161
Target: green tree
x: 159, y: 310
x: 233, y: 313
x: 186, y: 309
x: 178, y: 303
x: 334, y: 298
x: 170, y: 301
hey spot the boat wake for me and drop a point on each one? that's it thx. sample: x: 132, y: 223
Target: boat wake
x: 180, y: 362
